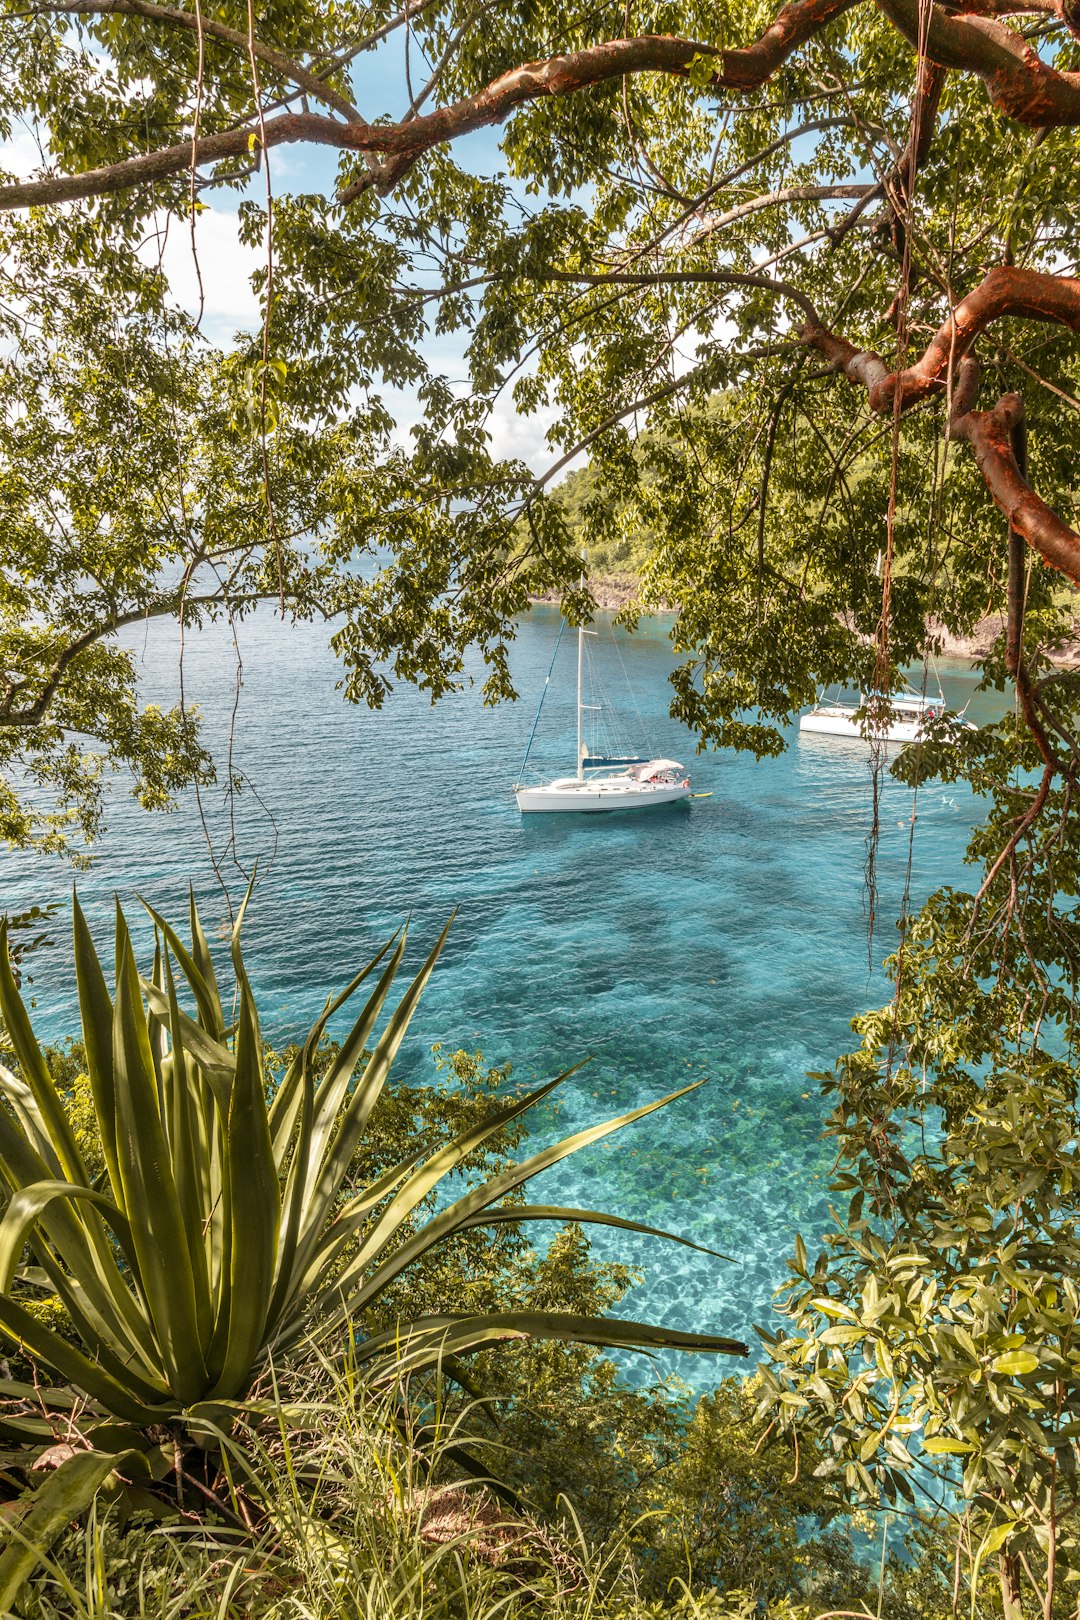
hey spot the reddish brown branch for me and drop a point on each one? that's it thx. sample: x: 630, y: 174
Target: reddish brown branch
x: 992, y: 434
x: 929, y: 84
x: 400, y: 144
x: 1017, y: 80
x: 1006, y: 290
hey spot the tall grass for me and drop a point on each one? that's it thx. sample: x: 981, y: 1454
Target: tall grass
x: 351, y: 1519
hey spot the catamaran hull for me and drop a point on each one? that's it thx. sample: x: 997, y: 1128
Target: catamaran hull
x: 577, y: 796
x: 839, y: 723
x: 842, y: 725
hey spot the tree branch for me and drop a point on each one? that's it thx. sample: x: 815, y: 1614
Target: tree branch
x: 1004, y: 291
x: 803, y: 193
x: 402, y: 143
x: 675, y: 278
x: 208, y: 25
x: 992, y: 434
x: 1018, y: 82
x: 34, y: 713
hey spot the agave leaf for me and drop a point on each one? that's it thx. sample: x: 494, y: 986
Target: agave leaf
x: 413, y: 1193
x: 190, y: 1165
x: 306, y: 1156
x: 253, y: 1203
x: 293, y: 1197
x: 28, y: 1114
x: 62, y: 1497
x: 205, y: 991
x: 158, y: 1029
x: 37, y: 1276
x: 354, y: 1116
x: 159, y: 1236
x: 213, y: 1056
x: 286, y: 1103
x: 85, y: 1277
x: 24, y: 1210
x: 35, y: 1071
x: 449, y: 1219
x: 53, y: 1400
x: 200, y: 955
x: 95, y: 1006
x: 78, y: 1369
x: 342, y: 1229
x: 421, y: 1345
x: 24, y: 1430
x: 512, y: 1213
x: 335, y: 1084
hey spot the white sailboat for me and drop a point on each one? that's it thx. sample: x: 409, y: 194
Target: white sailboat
x: 905, y: 721
x: 602, y: 782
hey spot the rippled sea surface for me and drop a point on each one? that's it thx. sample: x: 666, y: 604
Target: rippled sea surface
x: 724, y: 940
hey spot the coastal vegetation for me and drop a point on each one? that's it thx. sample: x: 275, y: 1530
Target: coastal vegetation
x: 220, y: 1229
x: 801, y: 284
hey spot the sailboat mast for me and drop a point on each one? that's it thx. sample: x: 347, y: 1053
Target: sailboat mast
x: 580, y: 671
x: 580, y: 737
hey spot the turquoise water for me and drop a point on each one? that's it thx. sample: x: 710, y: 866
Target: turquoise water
x: 723, y: 940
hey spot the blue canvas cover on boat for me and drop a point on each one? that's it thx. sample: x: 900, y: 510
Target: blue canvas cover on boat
x: 595, y: 763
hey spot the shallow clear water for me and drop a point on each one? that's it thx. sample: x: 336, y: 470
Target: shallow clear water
x: 723, y: 940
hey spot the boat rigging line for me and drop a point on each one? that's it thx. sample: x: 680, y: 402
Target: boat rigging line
x: 543, y: 695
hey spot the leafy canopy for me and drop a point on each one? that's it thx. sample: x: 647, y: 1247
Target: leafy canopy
x: 676, y: 205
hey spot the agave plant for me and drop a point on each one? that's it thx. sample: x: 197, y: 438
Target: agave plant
x: 225, y: 1228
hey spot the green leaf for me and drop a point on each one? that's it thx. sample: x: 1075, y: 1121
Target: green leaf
x: 63, y: 1496
x: 91, y: 1376
x: 423, y: 1344
x: 1014, y: 1363
x: 450, y: 1219
x: 96, y: 1010
x: 844, y: 1333
x: 35, y: 1071
x: 997, y: 1538
x: 24, y: 1210
x: 252, y: 1204
x: 158, y: 1235
x: 556, y: 1212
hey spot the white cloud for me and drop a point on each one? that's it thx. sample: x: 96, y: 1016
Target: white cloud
x: 223, y: 262
x: 524, y: 437
x: 21, y: 155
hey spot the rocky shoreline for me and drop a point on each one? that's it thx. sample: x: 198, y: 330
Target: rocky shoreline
x: 614, y: 591
x: 611, y: 591
x: 978, y: 643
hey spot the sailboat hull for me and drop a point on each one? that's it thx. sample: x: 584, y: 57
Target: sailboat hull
x: 613, y: 793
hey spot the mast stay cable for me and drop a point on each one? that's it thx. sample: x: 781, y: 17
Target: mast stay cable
x: 543, y: 695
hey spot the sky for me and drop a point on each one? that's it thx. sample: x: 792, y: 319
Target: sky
x: 226, y: 264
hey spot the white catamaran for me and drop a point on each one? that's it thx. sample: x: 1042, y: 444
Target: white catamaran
x: 904, y: 721
x: 603, y: 781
